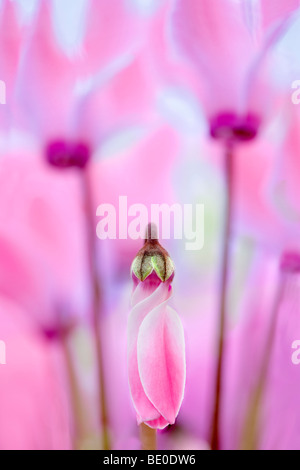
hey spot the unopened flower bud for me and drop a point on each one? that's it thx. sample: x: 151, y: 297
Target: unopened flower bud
x: 152, y: 257
x: 155, y: 338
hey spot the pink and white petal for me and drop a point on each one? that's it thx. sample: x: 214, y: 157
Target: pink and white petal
x: 122, y: 99
x: 159, y: 423
x: 201, y: 32
x: 277, y: 10
x: 143, y: 406
x: 263, y: 17
x: 286, y: 173
x: 45, y: 87
x: 161, y: 360
x: 112, y: 29
x: 160, y: 55
x: 148, y: 295
x: 11, y: 35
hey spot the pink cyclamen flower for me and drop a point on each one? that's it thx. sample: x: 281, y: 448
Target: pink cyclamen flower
x: 156, y: 346
x: 210, y: 35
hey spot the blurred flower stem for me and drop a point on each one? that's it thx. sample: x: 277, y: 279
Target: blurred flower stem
x: 96, y: 304
x: 148, y: 437
x: 77, y: 405
x: 250, y: 432
x: 225, y: 257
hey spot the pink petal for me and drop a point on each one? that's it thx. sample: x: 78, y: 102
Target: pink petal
x: 211, y: 34
x: 285, y: 179
x: 161, y: 360
x: 39, y: 210
x: 280, y: 19
x: 277, y: 10
x: 253, y: 209
x: 125, y: 99
x: 34, y: 404
x: 162, y: 61
x: 10, y: 47
x: 45, y: 87
x: 143, y: 406
x: 159, y: 423
x: 150, y: 291
x: 111, y: 32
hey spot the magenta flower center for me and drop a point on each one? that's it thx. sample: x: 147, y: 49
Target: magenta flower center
x: 64, y: 154
x: 290, y: 262
x: 231, y: 127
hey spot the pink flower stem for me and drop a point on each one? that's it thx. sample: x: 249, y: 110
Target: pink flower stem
x: 215, y: 428
x: 249, y: 440
x: 148, y: 437
x: 96, y: 305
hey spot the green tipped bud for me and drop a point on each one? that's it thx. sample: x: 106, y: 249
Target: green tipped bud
x: 144, y: 264
x: 152, y: 257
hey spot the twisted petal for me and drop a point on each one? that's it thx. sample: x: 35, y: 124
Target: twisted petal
x: 159, y: 423
x: 143, y: 406
x: 161, y: 360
